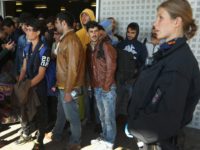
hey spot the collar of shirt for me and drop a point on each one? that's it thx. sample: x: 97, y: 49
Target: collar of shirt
x: 65, y: 34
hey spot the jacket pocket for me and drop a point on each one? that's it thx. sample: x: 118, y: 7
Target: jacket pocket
x: 144, y: 88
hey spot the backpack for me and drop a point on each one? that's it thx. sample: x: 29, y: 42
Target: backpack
x: 50, y: 74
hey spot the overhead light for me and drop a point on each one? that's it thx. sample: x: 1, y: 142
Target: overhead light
x: 93, y: 4
x: 40, y: 6
x: 62, y: 8
x: 18, y: 3
x: 18, y: 10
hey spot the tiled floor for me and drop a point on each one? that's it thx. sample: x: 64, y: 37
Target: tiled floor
x: 191, y: 142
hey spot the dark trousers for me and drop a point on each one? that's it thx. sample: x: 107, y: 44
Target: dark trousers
x: 41, y: 118
x: 124, y: 92
x: 52, y: 108
x: 39, y: 121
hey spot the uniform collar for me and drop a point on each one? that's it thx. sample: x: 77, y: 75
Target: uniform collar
x: 169, y: 47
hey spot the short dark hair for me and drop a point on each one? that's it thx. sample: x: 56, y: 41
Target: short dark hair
x: 111, y: 18
x: 67, y: 17
x: 101, y: 27
x: 50, y: 19
x: 35, y: 24
x: 92, y: 24
x: 8, y: 22
x: 133, y: 26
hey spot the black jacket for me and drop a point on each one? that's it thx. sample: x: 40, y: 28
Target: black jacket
x: 131, y: 55
x: 165, y: 94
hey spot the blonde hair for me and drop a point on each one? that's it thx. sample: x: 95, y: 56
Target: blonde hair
x: 181, y: 8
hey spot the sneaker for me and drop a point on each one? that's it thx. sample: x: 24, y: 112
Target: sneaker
x: 104, y: 145
x: 53, y: 137
x: 38, y: 146
x: 108, y: 145
x: 99, y: 147
x: 20, y: 132
x: 48, y: 136
x: 23, y: 139
x: 96, y: 141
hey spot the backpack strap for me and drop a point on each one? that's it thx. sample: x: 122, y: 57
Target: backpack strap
x: 145, y: 40
x: 42, y: 50
x: 27, y: 47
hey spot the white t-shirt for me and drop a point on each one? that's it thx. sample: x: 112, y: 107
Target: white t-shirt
x: 151, y: 48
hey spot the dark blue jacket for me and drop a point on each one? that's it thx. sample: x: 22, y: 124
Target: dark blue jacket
x: 131, y: 55
x: 165, y: 94
x: 22, y: 41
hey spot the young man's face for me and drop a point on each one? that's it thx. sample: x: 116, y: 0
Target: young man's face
x: 8, y: 30
x: 56, y: 36
x: 93, y: 34
x: 59, y: 26
x: 85, y: 18
x: 50, y: 26
x: 131, y: 33
x: 31, y: 34
x: 24, y: 27
x: 16, y: 25
x: 2, y: 35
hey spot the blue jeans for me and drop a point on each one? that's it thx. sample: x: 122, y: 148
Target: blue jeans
x: 70, y: 111
x: 106, y: 102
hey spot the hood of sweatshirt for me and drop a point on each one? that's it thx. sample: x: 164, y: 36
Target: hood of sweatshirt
x: 90, y: 13
x: 133, y: 26
x: 82, y: 33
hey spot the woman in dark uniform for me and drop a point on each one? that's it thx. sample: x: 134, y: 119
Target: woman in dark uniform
x: 167, y: 90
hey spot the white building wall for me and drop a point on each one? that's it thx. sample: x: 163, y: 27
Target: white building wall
x: 1, y: 8
x: 143, y: 12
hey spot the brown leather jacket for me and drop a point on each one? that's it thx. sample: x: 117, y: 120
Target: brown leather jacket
x: 101, y: 69
x: 70, y: 67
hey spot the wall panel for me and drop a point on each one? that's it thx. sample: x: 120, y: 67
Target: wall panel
x: 143, y: 12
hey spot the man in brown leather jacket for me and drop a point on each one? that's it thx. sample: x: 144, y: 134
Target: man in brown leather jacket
x: 101, y: 57
x: 70, y: 78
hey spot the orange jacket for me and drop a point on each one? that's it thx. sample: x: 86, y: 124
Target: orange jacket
x: 82, y: 33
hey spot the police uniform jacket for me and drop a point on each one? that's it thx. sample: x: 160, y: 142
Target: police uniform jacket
x: 165, y: 94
